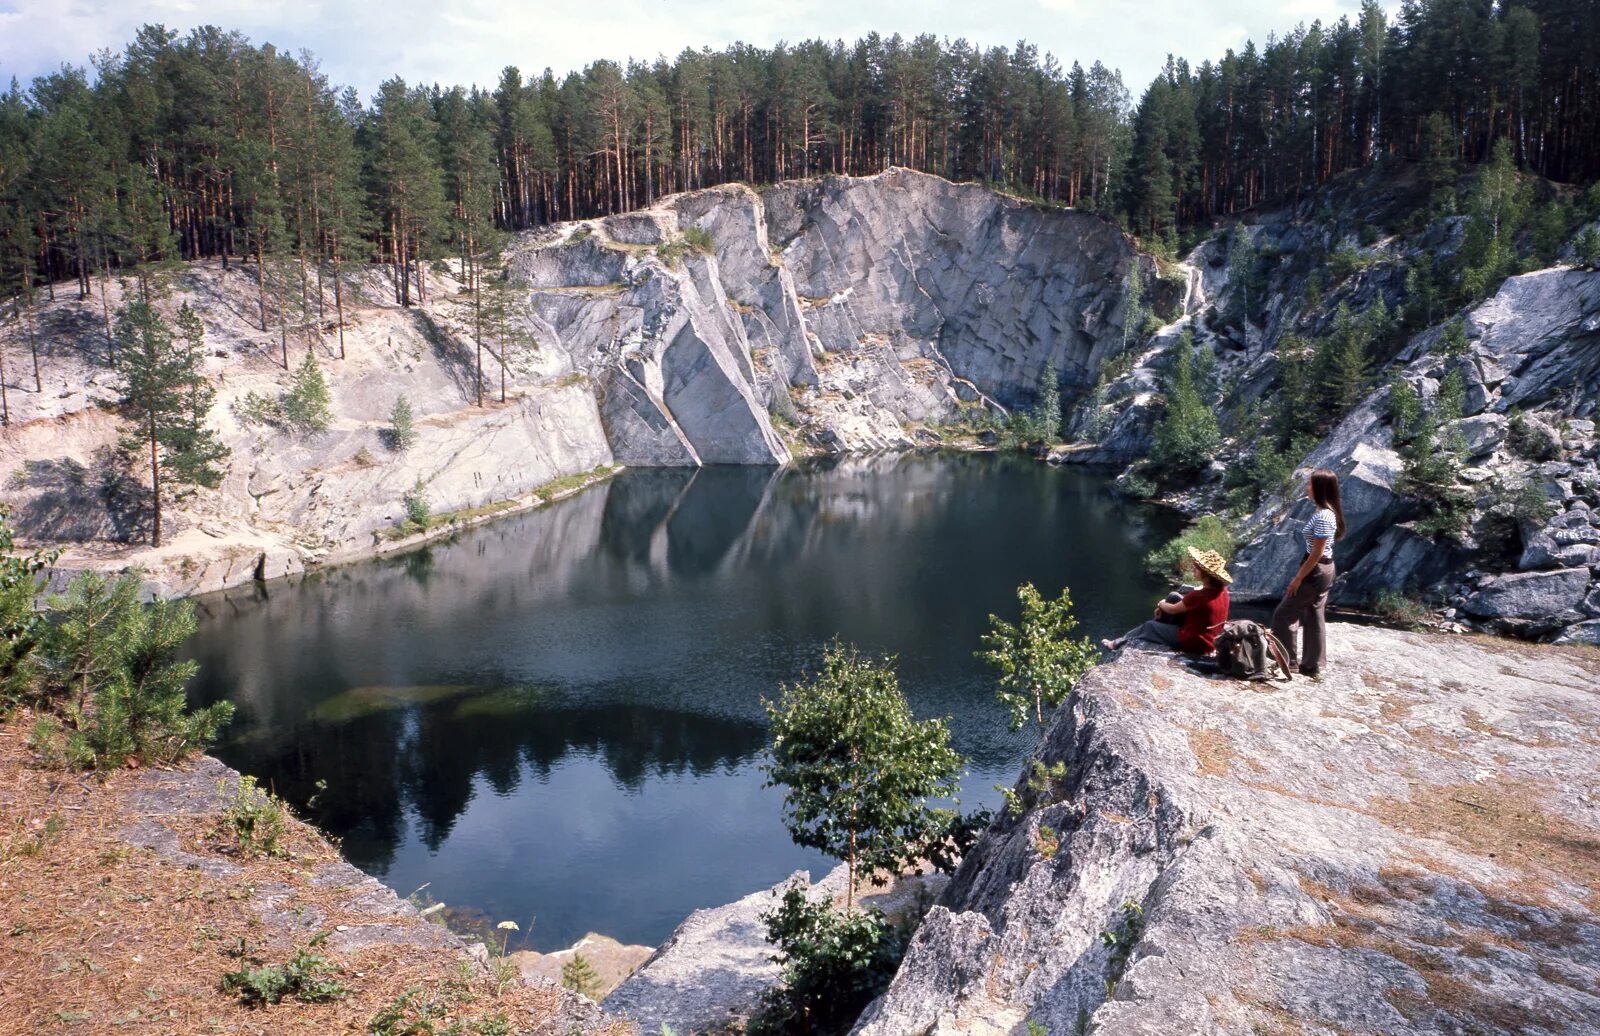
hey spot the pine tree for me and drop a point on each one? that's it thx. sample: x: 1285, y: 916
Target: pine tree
x: 308, y: 405
x: 166, y: 399
x: 1187, y: 435
x: 579, y: 976
x: 1048, y: 412
x: 118, y: 661
x: 402, y: 428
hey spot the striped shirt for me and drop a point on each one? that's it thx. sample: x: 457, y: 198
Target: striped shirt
x: 1321, y: 526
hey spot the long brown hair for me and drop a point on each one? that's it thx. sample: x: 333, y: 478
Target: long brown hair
x: 1325, y: 493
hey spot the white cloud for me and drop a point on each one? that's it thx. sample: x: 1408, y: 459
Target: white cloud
x: 469, y: 41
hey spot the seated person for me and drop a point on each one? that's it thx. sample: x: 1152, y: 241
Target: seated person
x: 1187, y: 622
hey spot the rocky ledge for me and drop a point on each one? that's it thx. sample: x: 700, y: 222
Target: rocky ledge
x: 1410, y: 846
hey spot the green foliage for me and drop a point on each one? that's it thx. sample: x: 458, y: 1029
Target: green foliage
x: 1516, y: 505
x: 1187, y: 436
x: 835, y: 962
x: 1586, y: 247
x: 1430, y: 454
x: 23, y: 629
x: 308, y: 405
x: 1531, y: 441
x: 256, y: 818
x: 1397, y: 606
x: 1345, y: 262
x: 1121, y: 942
x: 699, y: 239
x: 1043, y: 784
x: 114, y: 665
x: 1048, y: 411
x: 1038, y: 659
x: 1134, y: 310
x: 1341, y: 362
x: 1453, y: 339
x: 402, y: 426
x: 419, y: 510
x: 1247, y: 282
x: 1209, y: 532
x: 1497, y: 208
x: 857, y: 769
x: 412, y: 1013
x: 1267, y: 473
x: 579, y: 976
x: 304, y: 977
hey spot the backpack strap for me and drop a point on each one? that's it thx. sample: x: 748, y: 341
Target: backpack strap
x: 1280, y: 656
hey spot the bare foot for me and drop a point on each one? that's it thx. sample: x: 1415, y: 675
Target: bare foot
x: 1110, y: 645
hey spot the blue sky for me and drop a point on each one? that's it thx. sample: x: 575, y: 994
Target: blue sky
x: 466, y: 41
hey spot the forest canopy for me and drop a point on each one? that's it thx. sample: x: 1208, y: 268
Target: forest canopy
x: 206, y: 145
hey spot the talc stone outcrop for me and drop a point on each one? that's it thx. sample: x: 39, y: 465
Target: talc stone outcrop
x: 724, y: 326
x: 1411, y: 846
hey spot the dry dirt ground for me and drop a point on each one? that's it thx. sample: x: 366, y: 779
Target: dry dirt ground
x: 123, y: 902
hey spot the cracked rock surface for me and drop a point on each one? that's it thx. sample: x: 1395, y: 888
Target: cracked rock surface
x: 1410, y: 846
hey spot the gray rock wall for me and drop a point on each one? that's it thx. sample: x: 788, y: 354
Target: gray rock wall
x: 1407, y: 847
x: 858, y: 310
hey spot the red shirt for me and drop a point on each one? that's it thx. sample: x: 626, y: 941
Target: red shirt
x: 1207, y: 610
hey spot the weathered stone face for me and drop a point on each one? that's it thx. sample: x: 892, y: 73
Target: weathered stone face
x: 1529, y: 595
x: 855, y: 307
x: 1303, y: 857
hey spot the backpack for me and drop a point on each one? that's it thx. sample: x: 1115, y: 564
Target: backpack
x: 1249, y: 651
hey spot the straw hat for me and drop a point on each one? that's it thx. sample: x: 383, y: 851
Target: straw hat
x: 1211, y: 563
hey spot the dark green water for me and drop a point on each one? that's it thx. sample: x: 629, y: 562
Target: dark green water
x: 558, y: 715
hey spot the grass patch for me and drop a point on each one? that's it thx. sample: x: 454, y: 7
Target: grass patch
x: 1208, y: 533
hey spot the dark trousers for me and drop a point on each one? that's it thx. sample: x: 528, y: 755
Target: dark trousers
x: 1305, y: 609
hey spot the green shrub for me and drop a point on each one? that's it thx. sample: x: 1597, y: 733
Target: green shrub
x: 857, y: 769
x: 1397, y: 606
x: 1346, y: 261
x: 834, y: 961
x: 1586, y: 249
x: 1268, y: 473
x: 304, y: 977
x: 579, y: 976
x: 308, y: 405
x: 1430, y: 451
x: 1515, y: 505
x: 699, y: 239
x: 419, y: 510
x: 112, y: 666
x: 256, y: 818
x: 1137, y: 485
x: 1187, y: 436
x: 23, y: 628
x: 1531, y: 442
x: 1038, y: 659
x: 402, y: 431
x: 1209, y: 532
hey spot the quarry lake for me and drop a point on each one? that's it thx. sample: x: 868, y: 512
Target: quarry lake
x: 557, y: 717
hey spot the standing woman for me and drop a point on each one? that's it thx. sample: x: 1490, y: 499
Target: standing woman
x: 1303, y: 605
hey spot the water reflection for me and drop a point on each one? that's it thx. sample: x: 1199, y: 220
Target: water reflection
x: 559, y: 714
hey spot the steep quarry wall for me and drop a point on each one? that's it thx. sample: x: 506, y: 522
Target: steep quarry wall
x: 1410, y: 846
x: 725, y: 326
x: 1530, y: 359
x: 853, y: 311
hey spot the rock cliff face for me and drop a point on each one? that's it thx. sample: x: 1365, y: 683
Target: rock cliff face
x: 1534, y: 346
x: 1532, y: 349
x: 1412, y: 846
x: 724, y: 326
x: 858, y: 310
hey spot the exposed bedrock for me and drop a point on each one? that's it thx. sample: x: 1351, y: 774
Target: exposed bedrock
x: 1533, y: 347
x: 1411, y: 846
x: 856, y: 310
